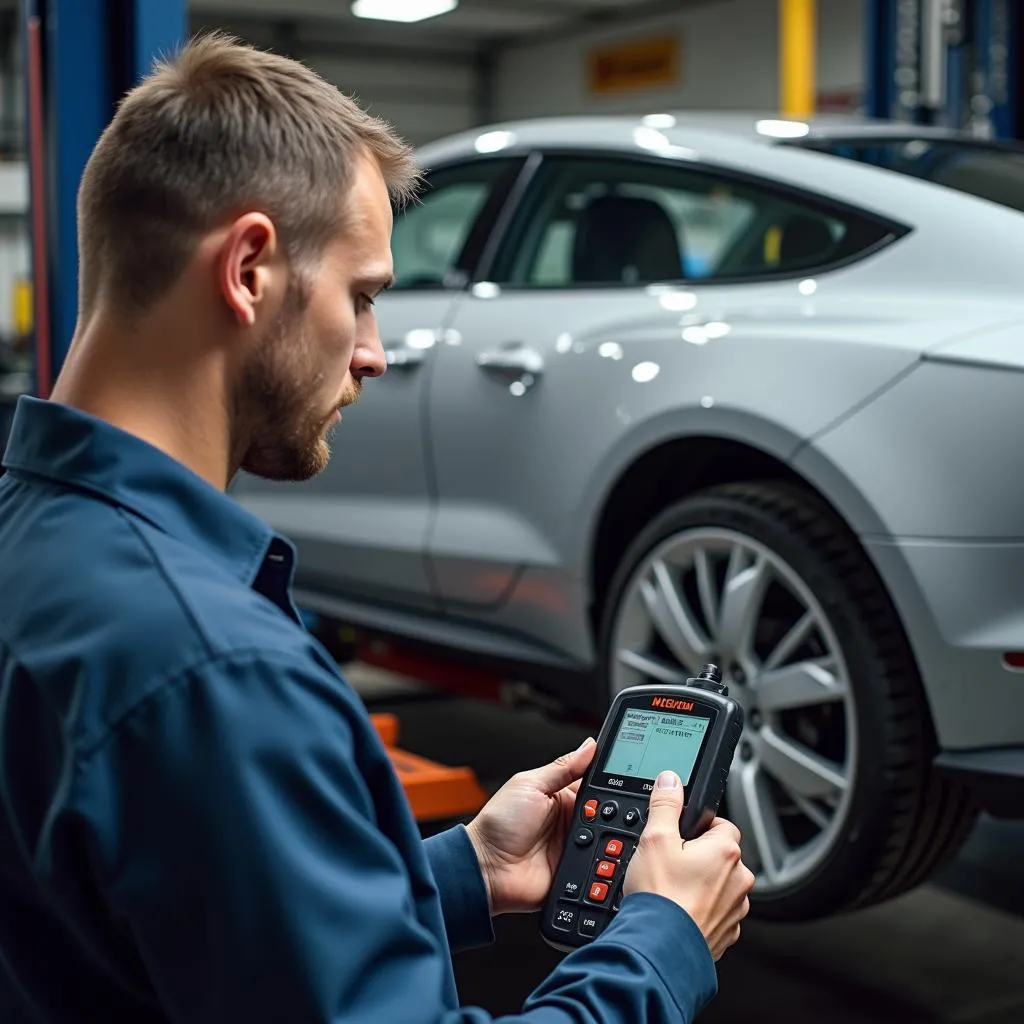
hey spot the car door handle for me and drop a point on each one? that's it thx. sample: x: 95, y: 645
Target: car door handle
x: 403, y: 358
x: 512, y: 362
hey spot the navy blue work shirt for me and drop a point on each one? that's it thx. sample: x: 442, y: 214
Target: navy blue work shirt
x: 198, y: 821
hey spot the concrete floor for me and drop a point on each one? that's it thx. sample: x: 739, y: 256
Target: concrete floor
x: 950, y: 953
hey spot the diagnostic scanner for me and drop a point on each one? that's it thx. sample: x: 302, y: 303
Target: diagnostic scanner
x: 690, y: 729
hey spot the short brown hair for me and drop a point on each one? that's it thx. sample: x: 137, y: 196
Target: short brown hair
x: 220, y: 128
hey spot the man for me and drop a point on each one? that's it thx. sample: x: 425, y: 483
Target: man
x: 198, y: 823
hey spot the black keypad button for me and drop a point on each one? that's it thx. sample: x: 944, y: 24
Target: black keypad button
x: 632, y: 817
x: 572, y: 890
x: 591, y: 923
x: 565, y: 918
x: 583, y: 837
x: 609, y: 810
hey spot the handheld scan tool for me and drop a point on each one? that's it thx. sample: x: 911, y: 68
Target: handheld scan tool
x: 691, y: 730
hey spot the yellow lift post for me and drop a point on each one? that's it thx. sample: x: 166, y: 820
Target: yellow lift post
x: 798, y: 29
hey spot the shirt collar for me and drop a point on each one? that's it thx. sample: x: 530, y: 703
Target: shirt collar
x: 82, y: 452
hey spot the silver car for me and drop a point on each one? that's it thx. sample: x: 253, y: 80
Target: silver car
x: 677, y: 389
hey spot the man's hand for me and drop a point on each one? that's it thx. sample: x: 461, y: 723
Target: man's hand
x: 705, y: 876
x: 519, y: 835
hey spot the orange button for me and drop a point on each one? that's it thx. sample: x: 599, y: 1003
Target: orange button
x: 598, y: 892
x: 590, y: 810
x: 606, y: 869
x: 613, y: 848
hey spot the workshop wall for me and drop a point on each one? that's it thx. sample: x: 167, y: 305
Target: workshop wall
x: 423, y: 97
x: 728, y: 59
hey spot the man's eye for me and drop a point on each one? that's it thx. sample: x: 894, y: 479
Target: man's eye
x: 367, y: 300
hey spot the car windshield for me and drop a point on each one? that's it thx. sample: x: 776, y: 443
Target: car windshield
x: 991, y: 170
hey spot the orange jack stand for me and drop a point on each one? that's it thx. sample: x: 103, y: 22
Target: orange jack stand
x: 435, y: 791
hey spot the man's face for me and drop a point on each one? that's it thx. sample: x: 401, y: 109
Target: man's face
x: 313, y: 359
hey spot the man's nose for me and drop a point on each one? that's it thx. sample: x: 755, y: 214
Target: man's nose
x: 369, y: 359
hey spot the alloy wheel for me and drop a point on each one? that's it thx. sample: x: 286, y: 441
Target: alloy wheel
x: 716, y: 595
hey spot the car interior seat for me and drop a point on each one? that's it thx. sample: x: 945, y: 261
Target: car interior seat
x: 627, y: 240
x: 804, y: 240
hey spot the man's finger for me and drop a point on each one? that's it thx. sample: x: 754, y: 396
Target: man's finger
x: 666, y: 804
x: 724, y: 827
x: 564, y: 770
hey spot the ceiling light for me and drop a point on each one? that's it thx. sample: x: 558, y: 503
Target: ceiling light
x: 402, y: 10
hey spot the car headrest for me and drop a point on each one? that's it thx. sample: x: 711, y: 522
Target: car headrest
x: 625, y: 239
x: 804, y: 239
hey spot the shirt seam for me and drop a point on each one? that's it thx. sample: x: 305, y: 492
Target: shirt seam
x: 187, y: 610
x: 175, y: 679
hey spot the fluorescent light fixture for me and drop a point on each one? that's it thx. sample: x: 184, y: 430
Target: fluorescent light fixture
x: 402, y: 10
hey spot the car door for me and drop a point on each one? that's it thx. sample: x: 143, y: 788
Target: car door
x: 360, y: 527
x: 598, y: 282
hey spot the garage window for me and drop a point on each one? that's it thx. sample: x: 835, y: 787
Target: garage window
x: 594, y: 222
x: 439, y: 233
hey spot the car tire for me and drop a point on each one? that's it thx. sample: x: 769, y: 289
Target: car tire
x: 900, y: 820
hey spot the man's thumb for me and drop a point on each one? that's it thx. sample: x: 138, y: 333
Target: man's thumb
x: 565, y: 770
x: 666, y: 803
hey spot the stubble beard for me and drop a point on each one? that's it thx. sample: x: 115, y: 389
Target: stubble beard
x: 290, y: 435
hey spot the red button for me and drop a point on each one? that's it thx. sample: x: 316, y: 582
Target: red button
x: 606, y: 869
x: 598, y: 892
x: 613, y: 848
x: 590, y: 810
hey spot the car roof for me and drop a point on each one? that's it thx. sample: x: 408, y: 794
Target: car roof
x: 748, y: 144
x: 756, y: 128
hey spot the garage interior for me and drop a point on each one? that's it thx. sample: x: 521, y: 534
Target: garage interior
x: 951, y: 951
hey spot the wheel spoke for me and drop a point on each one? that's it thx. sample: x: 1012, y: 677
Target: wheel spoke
x: 791, y: 642
x: 742, y: 598
x: 706, y: 589
x: 812, y: 810
x: 804, y: 684
x: 673, y: 618
x: 797, y: 768
x: 654, y: 668
x: 752, y: 811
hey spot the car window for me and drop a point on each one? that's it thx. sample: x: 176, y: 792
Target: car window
x: 433, y: 236
x: 991, y: 171
x: 591, y: 222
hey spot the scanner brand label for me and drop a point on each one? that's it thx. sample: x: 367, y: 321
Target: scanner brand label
x: 669, y: 702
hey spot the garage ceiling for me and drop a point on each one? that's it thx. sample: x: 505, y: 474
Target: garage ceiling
x: 474, y: 25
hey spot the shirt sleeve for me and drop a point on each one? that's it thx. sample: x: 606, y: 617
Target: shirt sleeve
x: 460, y: 883
x: 241, y: 854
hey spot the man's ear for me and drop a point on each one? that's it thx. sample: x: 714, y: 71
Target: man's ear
x: 245, y: 265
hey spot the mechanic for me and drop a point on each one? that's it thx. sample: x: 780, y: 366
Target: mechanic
x: 198, y: 822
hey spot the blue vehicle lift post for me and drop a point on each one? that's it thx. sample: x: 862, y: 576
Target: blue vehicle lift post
x: 947, y: 62
x: 81, y: 57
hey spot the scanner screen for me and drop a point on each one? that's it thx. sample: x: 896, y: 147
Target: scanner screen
x: 649, y: 742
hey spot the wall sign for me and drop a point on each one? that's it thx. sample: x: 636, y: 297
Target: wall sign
x: 641, y: 64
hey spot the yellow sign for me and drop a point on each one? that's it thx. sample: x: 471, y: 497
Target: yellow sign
x: 642, y: 64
